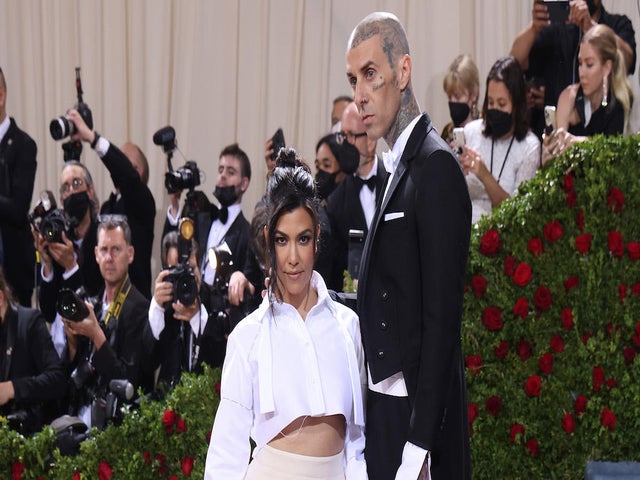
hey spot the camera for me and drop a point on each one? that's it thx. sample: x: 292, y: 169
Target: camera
x: 49, y: 220
x: 61, y: 127
x: 186, y: 177
x: 71, y: 306
x: 185, y: 287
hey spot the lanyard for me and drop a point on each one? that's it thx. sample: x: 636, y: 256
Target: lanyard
x: 504, y: 162
x: 116, y: 305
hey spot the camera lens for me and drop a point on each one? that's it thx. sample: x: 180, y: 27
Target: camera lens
x: 61, y: 127
x: 186, y: 289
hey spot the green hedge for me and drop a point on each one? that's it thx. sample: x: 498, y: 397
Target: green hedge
x: 551, y: 330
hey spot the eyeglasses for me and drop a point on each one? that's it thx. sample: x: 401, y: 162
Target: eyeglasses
x: 350, y: 137
x: 74, y: 185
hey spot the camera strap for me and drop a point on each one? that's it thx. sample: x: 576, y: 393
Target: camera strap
x: 115, y: 307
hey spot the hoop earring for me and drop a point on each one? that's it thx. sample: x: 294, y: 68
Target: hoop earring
x: 604, y: 92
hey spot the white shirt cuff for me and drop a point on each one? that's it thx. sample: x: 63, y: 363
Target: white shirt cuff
x: 412, y: 459
x: 173, y: 221
x: 73, y: 270
x: 102, y: 146
x: 156, y: 318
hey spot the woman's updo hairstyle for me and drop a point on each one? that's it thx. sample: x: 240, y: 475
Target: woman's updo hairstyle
x: 291, y: 186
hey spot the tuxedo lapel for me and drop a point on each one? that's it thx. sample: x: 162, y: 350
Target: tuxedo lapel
x: 11, y: 318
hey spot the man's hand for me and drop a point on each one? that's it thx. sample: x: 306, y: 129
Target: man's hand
x: 539, y: 16
x: 88, y: 327
x: 535, y: 97
x: 183, y: 312
x: 83, y: 132
x: 579, y: 15
x: 41, y: 245
x: 6, y: 392
x: 163, y: 291
x: 63, y: 253
x: 237, y: 285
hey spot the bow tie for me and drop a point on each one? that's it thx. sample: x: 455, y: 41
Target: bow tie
x: 369, y: 182
x: 221, y: 214
x: 389, y: 159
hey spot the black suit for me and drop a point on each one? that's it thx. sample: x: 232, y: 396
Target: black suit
x: 32, y: 364
x: 410, y: 304
x: 17, y: 175
x: 345, y: 213
x: 137, y: 203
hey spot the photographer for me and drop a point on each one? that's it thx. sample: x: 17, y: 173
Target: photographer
x: 112, y: 342
x: 69, y: 263
x: 31, y: 373
x: 130, y: 173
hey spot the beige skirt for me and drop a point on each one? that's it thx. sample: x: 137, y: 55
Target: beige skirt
x: 273, y: 464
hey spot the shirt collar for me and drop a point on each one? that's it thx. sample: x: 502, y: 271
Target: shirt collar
x: 392, y: 158
x: 4, y: 127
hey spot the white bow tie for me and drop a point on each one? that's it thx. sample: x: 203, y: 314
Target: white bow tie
x: 389, y: 160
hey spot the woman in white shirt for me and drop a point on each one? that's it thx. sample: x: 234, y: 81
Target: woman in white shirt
x: 293, y: 375
x: 501, y: 151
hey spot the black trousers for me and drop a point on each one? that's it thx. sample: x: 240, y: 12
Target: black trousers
x: 387, y: 428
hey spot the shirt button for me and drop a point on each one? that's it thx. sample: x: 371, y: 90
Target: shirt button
x: 384, y: 296
x: 383, y: 325
x: 380, y: 354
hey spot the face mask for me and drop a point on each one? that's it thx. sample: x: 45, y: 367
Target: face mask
x: 459, y: 112
x: 76, y: 205
x: 348, y: 158
x: 499, y: 122
x: 226, y: 195
x: 325, y: 183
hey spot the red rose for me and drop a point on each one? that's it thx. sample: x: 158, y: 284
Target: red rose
x: 501, y: 350
x: 492, y: 318
x: 611, y: 328
x: 490, y: 243
x: 472, y: 412
x: 580, y: 405
x: 535, y: 246
x: 571, y: 199
x: 636, y: 338
x: 570, y: 283
x: 598, y: 377
x: 586, y: 337
x: 615, y: 200
x: 187, y: 465
x: 76, y: 475
x: 163, y: 468
x: 635, y: 289
x: 104, y: 471
x: 147, y: 457
x: 168, y: 420
x: 567, y: 318
x: 542, y: 298
x: 524, y: 350
x: 533, y: 385
x: 515, y: 430
x: 173, y: 477
x: 568, y: 183
x: 553, y: 230
x: 509, y: 266
x: 181, y: 425
x: 521, y: 308
x: 473, y: 363
x: 580, y: 220
x: 557, y: 344
x: 583, y: 243
x: 629, y: 355
x: 545, y: 364
x: 568, y: 424
x: 611, y: 383
x: 494, y: 405
x: 522, y: 274
x: 622, y: 292
x: 616, y: 245
x: 478, y: 285
x: 217, y: 387
x: 16, y: 470
x: 532, y: 446
x: 633, y: 249
x: 608, y: 419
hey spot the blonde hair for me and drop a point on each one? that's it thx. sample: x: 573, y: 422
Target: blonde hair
x: 603, y: 40
x: 462, y: 75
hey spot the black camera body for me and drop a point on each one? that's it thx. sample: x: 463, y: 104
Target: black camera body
x: 49, y: 220
x: 185, y: 287
x: 61, y: 127
x: 186, y: 177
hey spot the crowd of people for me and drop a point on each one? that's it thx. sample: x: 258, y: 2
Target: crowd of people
x: 374, y: 390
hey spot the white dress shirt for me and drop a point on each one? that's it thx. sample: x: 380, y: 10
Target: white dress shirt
x: 279, y: 367
x: 367, y: 196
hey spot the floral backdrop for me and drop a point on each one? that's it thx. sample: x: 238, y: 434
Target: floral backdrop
x: 551, y: 333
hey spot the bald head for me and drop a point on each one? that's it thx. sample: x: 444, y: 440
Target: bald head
x: 393, y: 38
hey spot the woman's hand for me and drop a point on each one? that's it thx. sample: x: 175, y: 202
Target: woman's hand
x: 472, y: 162
x: 556, y: 143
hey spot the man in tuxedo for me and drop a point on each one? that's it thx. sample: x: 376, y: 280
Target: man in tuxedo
x: 130, y: 173
x: 115, y: 339
x: 413, y: 271
x: 352, y: 204
x: 17, y: 175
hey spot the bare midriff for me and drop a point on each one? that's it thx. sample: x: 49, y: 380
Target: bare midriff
x: 312, y: 436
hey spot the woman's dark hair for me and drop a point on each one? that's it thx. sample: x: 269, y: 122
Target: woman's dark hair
x: 291, y: 186
x: 507, y: 70
x: 329, y: 139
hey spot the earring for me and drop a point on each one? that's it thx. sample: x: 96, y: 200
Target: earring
x: 474, y: 111
x: 604, y: 92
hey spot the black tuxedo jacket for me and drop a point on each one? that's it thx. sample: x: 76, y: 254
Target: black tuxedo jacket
x: 32, y: 364
x: 137, y: 203
x: 17, y: 175
x: 345, y: 212
x: 410, y: 295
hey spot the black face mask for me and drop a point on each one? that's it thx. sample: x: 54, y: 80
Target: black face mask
x: 325, y: 183
x: 499, y: 122
x: 76, y: 205
x: 459, y: 112
x: 227, y: 196
x: 348, y: 158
